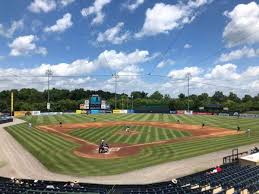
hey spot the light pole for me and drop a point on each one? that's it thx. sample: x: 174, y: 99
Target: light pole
x: 122, y: 102
x: 127, y: 102
x: 188, y: 79
x: 131, y: 102
x: 48, y: 73
x: 115, y: 76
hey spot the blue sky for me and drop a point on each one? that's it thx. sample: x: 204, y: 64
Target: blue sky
x: 215, y: 41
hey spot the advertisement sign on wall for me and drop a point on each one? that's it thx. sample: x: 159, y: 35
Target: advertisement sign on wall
x: 79, y: 112
x: 95, y: 111
x: 35, y: 113
x: 180, y: 112
x: 202, y: 113
x: 82, y: 106
x: 119, y: 111
x: 21, y: 113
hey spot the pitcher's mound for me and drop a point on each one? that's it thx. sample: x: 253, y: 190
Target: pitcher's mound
x: 128, y: 133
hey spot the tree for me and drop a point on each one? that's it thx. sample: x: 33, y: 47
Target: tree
x: 247, y: 98
x: 218, y: 97
x: 137, y: 94
x: 156, y: 95
x: 181, y: 96
x: 203, y: 97
x: 78, y: 94
x: 233, y: 97
x: 167, y: 97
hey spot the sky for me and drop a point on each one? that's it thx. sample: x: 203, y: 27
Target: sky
x: 144, y: 45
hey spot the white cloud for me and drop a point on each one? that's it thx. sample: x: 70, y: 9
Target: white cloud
x: 226, y: 71
x: 118, y: 60
x: 187, y: 46
x: 25, y: 45
x: 38, y: 6
x: 202, y: 80
x: 114, y: 35
x: 225, y: 77
x: 198, y: 3
x: 182, y: 73
x: 244, y: 52
x: 243, y: 26
x: 165, y: 63
x: 252, y: 71
x: 66, y: 2
x: 45, y: 6
x: 129, y: 72
x: 163, y: 18
x: 96, y: 10
x: 8, y: 32
x: 123, y: 63
x: 61, y: 24
x: 135, y: 5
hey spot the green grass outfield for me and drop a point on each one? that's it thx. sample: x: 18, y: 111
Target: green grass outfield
x: 56, y: 153
x: 111, y: 134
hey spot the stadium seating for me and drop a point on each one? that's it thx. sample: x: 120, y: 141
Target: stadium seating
x: 232, y: 177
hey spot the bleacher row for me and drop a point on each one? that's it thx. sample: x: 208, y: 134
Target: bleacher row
x: 232, y: 179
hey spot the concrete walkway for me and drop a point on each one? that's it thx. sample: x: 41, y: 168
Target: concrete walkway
x: 19, y: 163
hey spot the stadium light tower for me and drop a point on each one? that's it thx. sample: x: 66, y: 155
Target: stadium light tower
x: 188, y: 92
x: 115, y: 76
x: 48, y: 73
x: 131, y: 101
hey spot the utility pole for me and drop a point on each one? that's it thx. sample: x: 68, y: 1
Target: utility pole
x: 115, y: 76
x: 48, y: 73
x: 188, y: 78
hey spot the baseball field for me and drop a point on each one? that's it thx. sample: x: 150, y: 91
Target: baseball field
x: 71, y: 148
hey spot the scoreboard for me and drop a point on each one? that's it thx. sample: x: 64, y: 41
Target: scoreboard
x: 95, y: 102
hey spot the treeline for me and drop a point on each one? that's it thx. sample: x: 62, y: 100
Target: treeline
x: 69, y: 100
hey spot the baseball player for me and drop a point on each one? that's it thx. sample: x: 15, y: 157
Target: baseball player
x: 127, y: 129
x: 248, y: 131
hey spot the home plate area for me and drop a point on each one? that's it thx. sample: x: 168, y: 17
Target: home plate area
x: 110, y: 150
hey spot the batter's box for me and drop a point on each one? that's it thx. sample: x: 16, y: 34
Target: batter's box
x: 111, y: 150
x: 114, y: 149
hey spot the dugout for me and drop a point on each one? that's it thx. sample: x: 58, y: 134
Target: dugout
x: 152, y: 109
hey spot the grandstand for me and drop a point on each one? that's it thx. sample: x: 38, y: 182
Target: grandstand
x: 232, y: 178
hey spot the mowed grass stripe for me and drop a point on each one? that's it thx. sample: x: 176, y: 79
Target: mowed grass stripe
x: 39, y: 135
x: 63, y: 161
x: 114, y: 137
